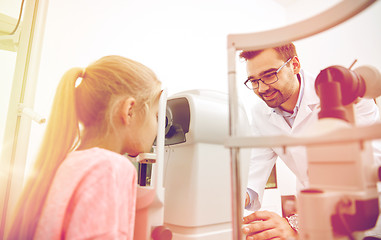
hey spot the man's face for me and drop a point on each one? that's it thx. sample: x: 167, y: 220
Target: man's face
x: 283, y: 93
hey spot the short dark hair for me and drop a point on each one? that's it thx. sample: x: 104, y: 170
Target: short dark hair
x: 285, y: 52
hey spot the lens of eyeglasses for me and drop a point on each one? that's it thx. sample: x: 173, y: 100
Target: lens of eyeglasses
x: 249, y: 85
x: 269, y: 78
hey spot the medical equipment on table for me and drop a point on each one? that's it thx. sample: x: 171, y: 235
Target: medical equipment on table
x: 197, y: 166
x: 342, y: 200
x: 196, y: 171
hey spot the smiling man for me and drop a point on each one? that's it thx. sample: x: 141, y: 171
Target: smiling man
x: 264, y: 75
x: 289, y: 106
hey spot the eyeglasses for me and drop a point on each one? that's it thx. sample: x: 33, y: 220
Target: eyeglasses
x: 267, y: 79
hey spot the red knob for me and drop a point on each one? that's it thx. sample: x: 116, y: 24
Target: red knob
x: 161, y: 233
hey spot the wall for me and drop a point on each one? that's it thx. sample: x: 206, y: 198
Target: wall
x: 184, y: 43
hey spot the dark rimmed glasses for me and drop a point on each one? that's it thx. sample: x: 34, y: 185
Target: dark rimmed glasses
x: 267, y: 79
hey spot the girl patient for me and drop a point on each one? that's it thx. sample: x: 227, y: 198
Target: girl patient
x: 82, y: 187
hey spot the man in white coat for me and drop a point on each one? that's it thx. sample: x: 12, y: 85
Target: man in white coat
x: 290, y: 105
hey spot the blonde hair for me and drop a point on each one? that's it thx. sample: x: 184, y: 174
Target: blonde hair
x: 93, y: 103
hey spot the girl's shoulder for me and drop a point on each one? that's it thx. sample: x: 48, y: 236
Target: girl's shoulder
x: 97, y: 160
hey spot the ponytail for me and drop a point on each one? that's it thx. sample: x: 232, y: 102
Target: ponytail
x: 61, y: 137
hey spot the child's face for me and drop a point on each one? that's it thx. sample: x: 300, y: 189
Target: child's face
x: 145, y: 130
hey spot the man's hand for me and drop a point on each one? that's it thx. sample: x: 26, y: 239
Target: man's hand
x: 267, y: 225
x: 247, y: 200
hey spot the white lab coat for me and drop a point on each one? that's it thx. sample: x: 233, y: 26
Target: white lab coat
x: 265, y: 122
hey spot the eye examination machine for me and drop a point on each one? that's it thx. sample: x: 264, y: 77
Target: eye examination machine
x: 342, y: 199
x: 196, y: 167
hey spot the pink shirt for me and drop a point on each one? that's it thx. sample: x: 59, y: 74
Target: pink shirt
x: 92, y: 196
